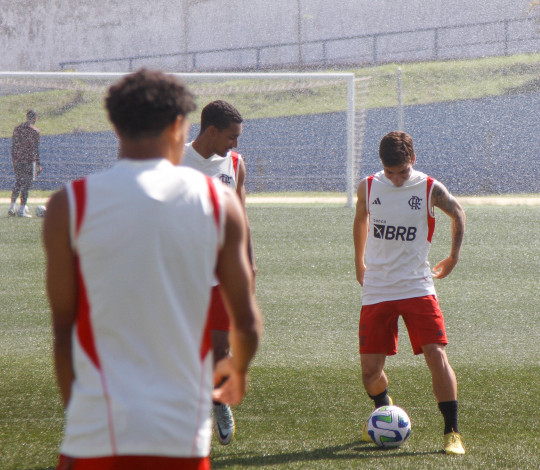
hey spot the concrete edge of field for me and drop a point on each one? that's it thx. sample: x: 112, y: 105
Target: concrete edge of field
x: 254, y: 200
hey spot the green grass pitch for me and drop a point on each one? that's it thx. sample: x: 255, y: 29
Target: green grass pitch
x: 306, y: 404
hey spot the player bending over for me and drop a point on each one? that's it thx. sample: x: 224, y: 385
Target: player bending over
x: 392, y: 232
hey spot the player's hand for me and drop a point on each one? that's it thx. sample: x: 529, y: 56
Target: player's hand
x: 360, y: 270
x: 444, y: 267
x: 231, y: 385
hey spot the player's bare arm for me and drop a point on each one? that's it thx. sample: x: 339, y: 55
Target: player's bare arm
x: 61, y: 282
x: 241, y: 191
x: 441, y: 198
x: 360, y: 232
x: 236, y: 280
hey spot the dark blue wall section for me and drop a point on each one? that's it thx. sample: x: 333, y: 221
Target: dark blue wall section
x: 474, y: 147
x: 64, y: 157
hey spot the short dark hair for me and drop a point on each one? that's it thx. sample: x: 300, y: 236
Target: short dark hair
x: 396, y: 148
x: 219, y: 114
x: 31, y: 115
x: 144, y: 103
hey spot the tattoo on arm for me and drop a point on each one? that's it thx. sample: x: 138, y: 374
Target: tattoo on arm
x: 442, y: 199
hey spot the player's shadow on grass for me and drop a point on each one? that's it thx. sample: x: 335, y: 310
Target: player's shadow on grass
x: 353, y: 451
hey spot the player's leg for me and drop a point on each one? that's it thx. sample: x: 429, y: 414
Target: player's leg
x: 16, y: 190
x: 377, y: 339
x: 26, y: 183
x: 373, y: 376
x: 377, y: 335
x: 224, y: 425
x: 442, y: 375
x: 375, y: 383
x: 425, y: 324
x: 445, y: 390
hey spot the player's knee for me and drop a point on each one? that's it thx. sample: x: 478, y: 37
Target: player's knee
x: 436, y: 356
x: 371, y: 373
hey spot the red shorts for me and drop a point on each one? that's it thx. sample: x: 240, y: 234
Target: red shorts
x: 378, y: 330
x: 219, y: 318
x: 133, y: 462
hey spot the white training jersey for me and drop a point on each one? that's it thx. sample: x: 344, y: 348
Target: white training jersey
x: 401, y: 225
x: 146, y: 235
x: 223, y: 168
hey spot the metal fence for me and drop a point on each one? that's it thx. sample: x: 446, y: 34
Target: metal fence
x: 495, y: 38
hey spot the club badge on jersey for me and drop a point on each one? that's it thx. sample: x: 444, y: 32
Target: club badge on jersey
x: 223, y: 168
x: 226, y: 179
x: 230, y: 177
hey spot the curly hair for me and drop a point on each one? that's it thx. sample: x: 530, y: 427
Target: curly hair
x: 144, y: 103
x: 219, y: 114
x: 396, y: 148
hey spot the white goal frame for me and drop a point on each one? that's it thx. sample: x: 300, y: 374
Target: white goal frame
x: 348, y: 78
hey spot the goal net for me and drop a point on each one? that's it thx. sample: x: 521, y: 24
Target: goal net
x: 302, y: 132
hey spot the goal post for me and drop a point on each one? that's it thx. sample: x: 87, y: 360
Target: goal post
x: 302, y: 131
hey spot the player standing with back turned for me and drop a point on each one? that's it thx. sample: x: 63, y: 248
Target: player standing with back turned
x: 212, y: 154
x: 393, y: 228
x: 131, y: 257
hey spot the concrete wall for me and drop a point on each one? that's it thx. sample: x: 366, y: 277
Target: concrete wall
x: 41, y: 34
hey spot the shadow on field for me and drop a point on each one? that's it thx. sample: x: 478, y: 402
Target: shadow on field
x: 353, y: 451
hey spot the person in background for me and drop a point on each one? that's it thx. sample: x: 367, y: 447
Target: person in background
x: 26, y: 164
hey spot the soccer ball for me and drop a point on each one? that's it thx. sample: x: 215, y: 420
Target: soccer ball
x: 40, y: 211
x: 389, y: 426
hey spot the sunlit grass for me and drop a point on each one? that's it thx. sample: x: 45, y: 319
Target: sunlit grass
x: 81, y: 109
x: 431, y: 82
x: 306, y: 404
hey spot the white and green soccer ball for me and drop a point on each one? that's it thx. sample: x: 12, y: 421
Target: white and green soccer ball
x: 389, y: 426
x: 40, y: 211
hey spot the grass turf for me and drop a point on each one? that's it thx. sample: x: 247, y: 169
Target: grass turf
x: 306, y: 404
x: 63, y: 111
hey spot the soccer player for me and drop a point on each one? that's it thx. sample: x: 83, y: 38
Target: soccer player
x: 212, y: 153
x: 131, y: 257
x: 393, y: 228
x: 26, y: 164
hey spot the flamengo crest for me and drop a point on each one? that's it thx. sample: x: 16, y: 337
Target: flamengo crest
x: 415, y: 202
